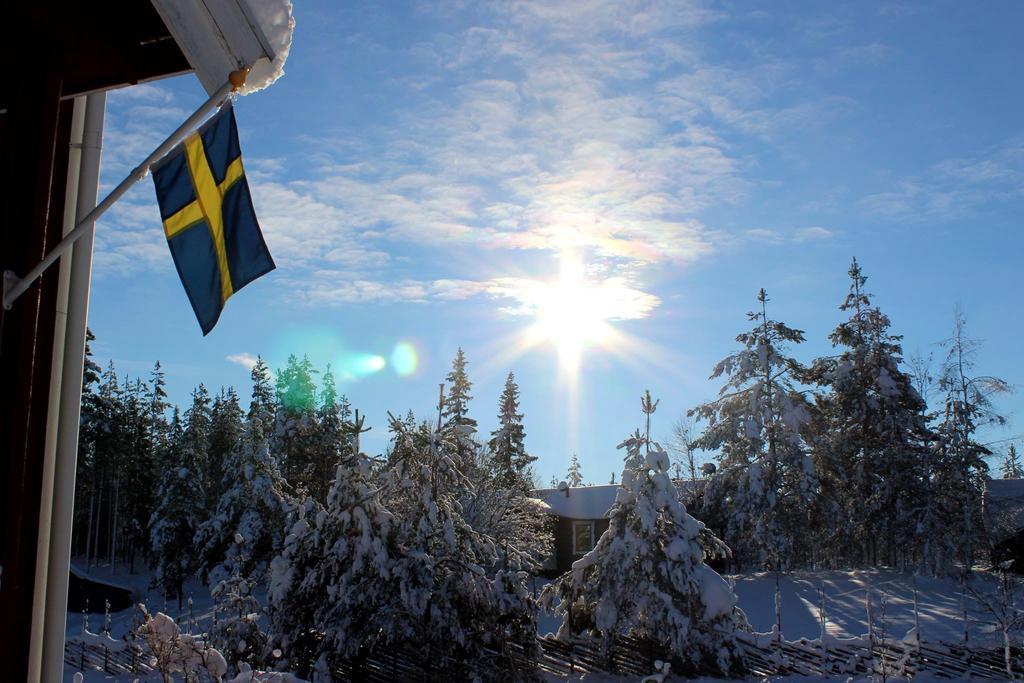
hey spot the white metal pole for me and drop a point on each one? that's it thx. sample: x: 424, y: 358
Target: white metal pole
x: 13, y: 287
x: 71, y: 396
x: 49, y: 455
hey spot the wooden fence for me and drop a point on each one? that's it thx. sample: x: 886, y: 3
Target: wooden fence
x: 762, y: 657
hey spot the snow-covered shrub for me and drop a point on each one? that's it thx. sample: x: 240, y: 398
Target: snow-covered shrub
x: 521, y: 524
x: 236, y: 629
x: 646, y: 577
x: 175, y: 652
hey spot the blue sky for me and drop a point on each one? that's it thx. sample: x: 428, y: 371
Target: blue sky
x: 424, y: 171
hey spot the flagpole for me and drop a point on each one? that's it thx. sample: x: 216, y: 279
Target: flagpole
x: 13, y: 287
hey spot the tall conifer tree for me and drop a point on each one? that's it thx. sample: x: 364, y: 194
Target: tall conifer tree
x: 510, y: 461
x: 872, y: 441
x: 765, y: 483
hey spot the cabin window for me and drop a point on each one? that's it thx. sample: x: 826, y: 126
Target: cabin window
x: 582, y: 537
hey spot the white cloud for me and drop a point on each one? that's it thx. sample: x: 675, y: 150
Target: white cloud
x: 955, y: 187
x: 246, y: 360
x: 813, y: 234
x: 596, y: 128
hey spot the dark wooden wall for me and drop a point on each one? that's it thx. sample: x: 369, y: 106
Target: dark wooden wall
x: 65, y: 49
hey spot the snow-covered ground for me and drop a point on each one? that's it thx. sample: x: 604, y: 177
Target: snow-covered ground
x: 121, y: 622
x: 939, y: 606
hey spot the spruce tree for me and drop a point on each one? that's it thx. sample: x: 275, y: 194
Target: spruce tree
x: 198, y: 421
x: 236, y: 629
x: 1011, y: 468
x: 331, y: 439
x: 158, y: 404
x: 176, y: 514
x: 872, y: 440
x: 89, y: 432
x: 765, y: 483
x: 142, y: 432
x: 647, y: 577
x: 261, y: 406
x: 225, y: 431
x: 459, y: 604
x: 456, y: 406
x: 244, y: 532
x: 509, y: 459
x: 573, y: 476
x: 102, y: 431
x: 332, y: 591
x: 295, y: 425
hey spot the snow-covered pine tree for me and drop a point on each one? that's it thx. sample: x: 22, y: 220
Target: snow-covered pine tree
x: 647, y: 578
x: 100, y: 448
x: 760, y: 494
x: 141, y: 431
x: 456, y: 599
x: 331, y: 439
x: 455, y: 415
x: 573, y: 476
x: 236, y: 630
x: 509, y: 460
x: 261, y: 407
x: 157, y: 404
x: 1011, y: 468
x: 225, y: 430
x: 295, y: 425
x: 197, y: 439
x: 456, y: 403
x: 175, y: 514
x: 871, y: 439
x: 332, y: 594
x: 253, y: 505
x: 960, y: 467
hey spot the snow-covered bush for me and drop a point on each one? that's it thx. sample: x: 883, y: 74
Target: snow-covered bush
x: 236, y: 628
x: 175, y: 652
x: 647, y: 578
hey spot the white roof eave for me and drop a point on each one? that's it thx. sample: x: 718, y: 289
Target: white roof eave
x: 220, y: 36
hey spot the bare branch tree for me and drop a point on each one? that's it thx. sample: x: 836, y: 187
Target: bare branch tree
x: 682, y: 443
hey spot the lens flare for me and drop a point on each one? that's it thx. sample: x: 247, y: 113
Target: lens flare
x: 364, y: 364
x: 404, y: 359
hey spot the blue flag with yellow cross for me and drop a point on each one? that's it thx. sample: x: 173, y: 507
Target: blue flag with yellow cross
x: 209, y: 218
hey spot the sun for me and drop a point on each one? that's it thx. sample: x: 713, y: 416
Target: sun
x: 571, y: 313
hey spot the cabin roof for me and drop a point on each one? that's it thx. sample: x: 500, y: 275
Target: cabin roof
x: 594, y: 502
x: 1004, y: 506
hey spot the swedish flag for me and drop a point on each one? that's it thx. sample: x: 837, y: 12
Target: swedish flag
x: 208, y: 217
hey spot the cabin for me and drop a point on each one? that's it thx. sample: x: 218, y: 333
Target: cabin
x: 89, y: 594
x: 1003, y: 506
x: 579, y: 515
